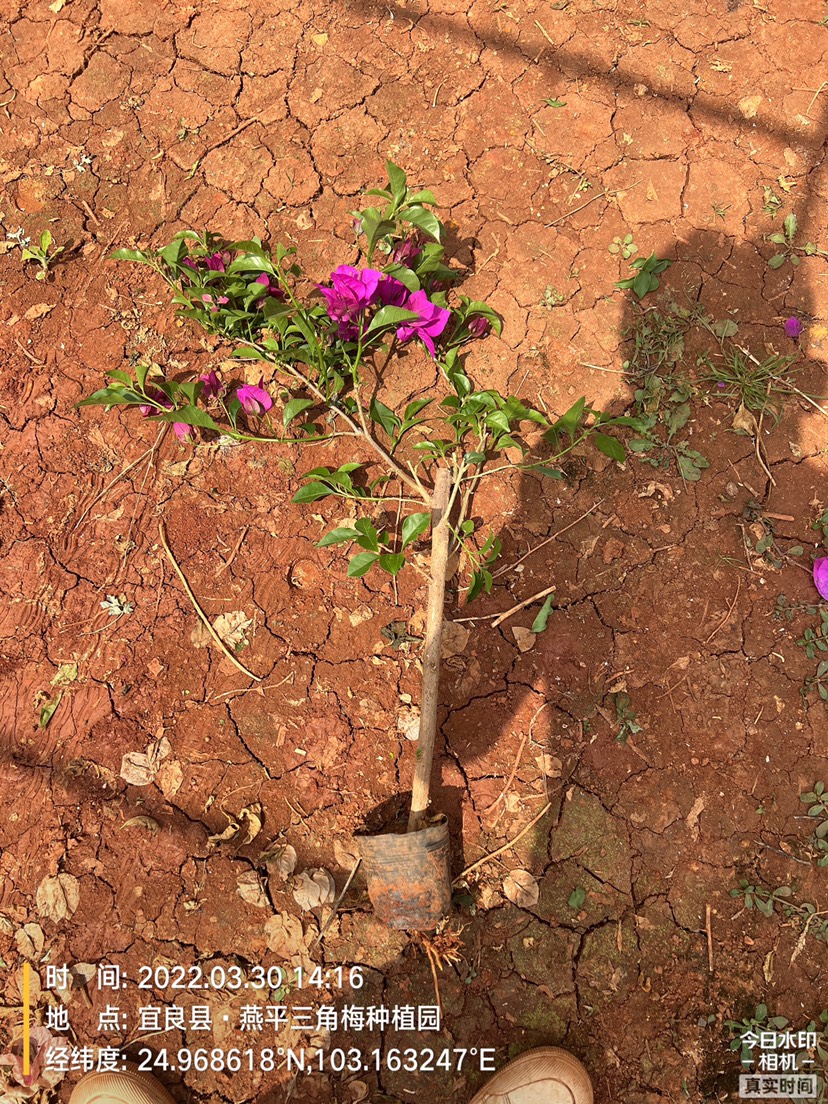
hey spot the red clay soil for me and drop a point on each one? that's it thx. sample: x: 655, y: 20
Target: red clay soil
x: 122, y: 123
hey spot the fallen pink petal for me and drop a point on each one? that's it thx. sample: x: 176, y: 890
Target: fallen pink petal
x: 254, y: 400
x: 821, y: 576
x: 793, y: 327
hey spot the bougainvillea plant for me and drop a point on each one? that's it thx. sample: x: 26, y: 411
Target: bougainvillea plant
x: 322, y: 351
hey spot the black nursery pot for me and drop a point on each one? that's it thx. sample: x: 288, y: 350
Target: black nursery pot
x: 408, y: 875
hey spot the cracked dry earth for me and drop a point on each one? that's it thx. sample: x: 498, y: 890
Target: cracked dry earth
x: 123, y: 121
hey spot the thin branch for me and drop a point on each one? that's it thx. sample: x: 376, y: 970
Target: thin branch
x: 522, y: 605
x: 203, y: 616
x: 337, y: 903
x: 125, y: 471
x: 506, y: 846
x: 554, y: 536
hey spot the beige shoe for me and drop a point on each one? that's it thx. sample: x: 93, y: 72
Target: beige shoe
x: 129, y: 1087
x: 547, y: 1075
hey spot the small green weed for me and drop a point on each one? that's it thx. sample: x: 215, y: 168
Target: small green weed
x: 760, y: 386
x: 552, y: 298
x: 772, y: 202
x: 765, y: 901
x: 789, y: 250
x: 625, y: 246
x: 41, y: 254
x: 646, y: 278
x: 821, y: 526
x: 720, y: 210
x: 817, y: 801
x: 625, y: 717
x: 743, y: 1032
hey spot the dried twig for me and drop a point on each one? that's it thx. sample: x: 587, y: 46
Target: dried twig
x: 543, y: 543
x: 522, y: 605
x: 226, y: 563
x: 337, y: 903
x: 121, y: 475
x: 202, y: 615
x: 709, y: 927
x: 506, y: 846
x: 726, y: 618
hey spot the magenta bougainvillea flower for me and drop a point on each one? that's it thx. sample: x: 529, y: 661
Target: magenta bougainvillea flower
x: 479, y: 326
x: 183, y: 431
x: 272, y: 288
x: 213, y: 387
x: 214, y: 302
x: 405, y: 252
x: 431, y: 323
x: 216, y: 262
x: 353, y: 291
x: 793, y: 327
x: 254, y: 400
x: 147, y: 409
x: 391, y: 292
x: 821, y: 576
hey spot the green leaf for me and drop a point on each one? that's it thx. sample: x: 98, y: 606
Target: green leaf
x: 687, y: 465
x: 130, y: 255
x: 392, y: 562
x: 390, y: 316
x: 294, y: 408
x: 425, y: 196
x: 643, y: 283
x: 777, y: 260
x: 361, y: 564
x: 481, y: 580
x: 725, y: 328
x: 777, y: 239
x: 337, y: 536
x: 386, y: 417
x: 370, y: 538
x: 311, y: 492
x: 577, y: 897
x: 112, y: 396
x: 789, y: 226
x: 610, y: 446
x: 539, y: 624
x: 189, y: 415
x: 413, y: 526
x: 397, y: 180
x: 48, y: 711
x: 424, y: 220
x: 554, y: 103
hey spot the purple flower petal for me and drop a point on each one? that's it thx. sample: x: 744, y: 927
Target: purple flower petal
x: 431, y: 323
x: 793, y: 328
x: 352, y: 292
x: 254, y: 400
x: 821, y: 576
x: 213, y: 387
x: 479, y: 326
x: 183, y: 431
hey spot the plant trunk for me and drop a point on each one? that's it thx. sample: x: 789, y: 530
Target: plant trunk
x: 431, y: 651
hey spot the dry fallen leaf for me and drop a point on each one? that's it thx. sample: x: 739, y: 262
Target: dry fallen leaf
x: 408, y: 723
x: 745, y: 422
x: 30, y: 940
x: 524, y: 638
x: 313, y: 888
x: 346, y: 855
x: 249, y: 888
x: 58, y: 6
x: 253, y: 814
x: 550, y: 765
x: 58, y: 896
x: 136, y: 769
x: 280, y: 859
x: 230, y: 627
x: 284, y: 935
x: 521, y: 888
x: 230, y: 832
x: 40, y: 1076
x: 358, y: 1091
x: 454, y: 639
x: 151, y: 825
x: 38, y: 311
x: 169, y: 777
